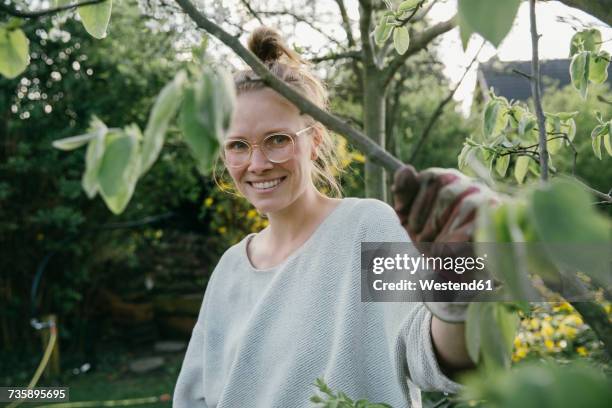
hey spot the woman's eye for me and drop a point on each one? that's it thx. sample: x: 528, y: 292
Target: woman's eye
x: 279, y: 140
x: 237, y: 146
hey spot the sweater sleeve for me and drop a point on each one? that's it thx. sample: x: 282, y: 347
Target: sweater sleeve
x: 409, y: 322
x: 189, y: 390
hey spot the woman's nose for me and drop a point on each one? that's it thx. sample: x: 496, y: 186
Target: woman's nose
x: 259, y: 161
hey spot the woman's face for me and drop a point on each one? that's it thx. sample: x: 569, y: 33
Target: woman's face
x: 271, y: 187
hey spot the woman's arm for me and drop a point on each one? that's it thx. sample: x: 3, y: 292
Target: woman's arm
x: 450, y: 347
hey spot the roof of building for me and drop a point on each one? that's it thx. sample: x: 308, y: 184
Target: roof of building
x: 504, y: 79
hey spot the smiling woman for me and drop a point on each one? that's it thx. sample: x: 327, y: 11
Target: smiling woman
x: 283, y: 306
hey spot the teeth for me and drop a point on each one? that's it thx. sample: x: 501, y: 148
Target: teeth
x: 266, y: 184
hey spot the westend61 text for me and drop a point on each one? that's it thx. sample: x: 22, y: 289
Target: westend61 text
x: 480, y: 285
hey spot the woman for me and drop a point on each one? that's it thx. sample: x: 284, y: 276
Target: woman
x: 283, y: 307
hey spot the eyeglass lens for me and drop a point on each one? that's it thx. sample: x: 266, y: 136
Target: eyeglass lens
x: 277, y: 148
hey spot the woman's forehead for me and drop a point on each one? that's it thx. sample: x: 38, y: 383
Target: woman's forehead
x: 263, y: 111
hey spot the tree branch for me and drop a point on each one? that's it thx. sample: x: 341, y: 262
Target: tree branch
x: 246, y: 4
x: 438, y: 112
x: 602, y: 9
x: 361, y: 141
x: 41, y: 13
x: 346, y: 23
x: 417, y: 43
x: 337, y: 56
x: 367, y: 48
x: 536, y: 89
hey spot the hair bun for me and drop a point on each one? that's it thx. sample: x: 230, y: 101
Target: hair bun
x: 268, y: 45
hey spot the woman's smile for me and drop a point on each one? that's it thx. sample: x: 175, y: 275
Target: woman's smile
x: 266, y: 186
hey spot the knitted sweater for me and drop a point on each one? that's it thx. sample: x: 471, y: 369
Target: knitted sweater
x: 264, y: 336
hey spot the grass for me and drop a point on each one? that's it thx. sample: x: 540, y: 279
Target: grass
x: 112, y: 380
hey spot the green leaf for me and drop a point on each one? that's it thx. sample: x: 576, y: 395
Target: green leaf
x: 225, y: 99
x: 491, y: 19
x: 520, y: 168
x: 501, y: 165
x: 93, y: 157
x: 598, y: 67
x: 96, y: 17
x: 74, y: 142
x: 495, y: 118
x: 472, y: 330
x: 201, y: 139
x: 596, y: 144
x: 579, y: 72
x: 498, y: 327
x: 401, y: 40
x: 555, y: 211
x: 120, y: 168
x: 164, y: 109
x: 383, y: 31
x: 597, y: 136
x: 408, y: 5
x: 587, y: 40
x: 14, y: 52
x: 465, y: 32
x: 607, y: 143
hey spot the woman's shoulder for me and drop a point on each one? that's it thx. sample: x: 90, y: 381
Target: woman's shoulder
x: 374, y: 220
x: 370, y: 208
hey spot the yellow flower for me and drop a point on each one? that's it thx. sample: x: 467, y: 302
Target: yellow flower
x: 251, y: 214
x: 567, y: 331
x: 550, y: 345
x: 158, y: 234
x: 563, y: 307
x: 358, y: 157
x: 222, y: 230
x: 517, y: 342
x: 547, y: 330
x: 519, y: 354
x: 573, y: 319
x: 608, y: 308
x: 582, y: 351
x: 208, y: 202
x: 534, y: 324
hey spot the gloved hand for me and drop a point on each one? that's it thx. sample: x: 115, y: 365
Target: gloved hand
x: 439, y: 206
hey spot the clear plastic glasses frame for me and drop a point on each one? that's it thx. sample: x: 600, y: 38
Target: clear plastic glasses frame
x: 277, y: 147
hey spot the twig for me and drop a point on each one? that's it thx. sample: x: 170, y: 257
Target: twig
x: 405, y: 21
x: 336, y: 56
x: 40, y: 13
x: 536, y: 89
x: 361, y: 141
x: 440, y: 108
x: 521, y: 73
x: 246, y: 4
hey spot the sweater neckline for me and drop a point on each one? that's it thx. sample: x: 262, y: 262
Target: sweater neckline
x: 300, y: 249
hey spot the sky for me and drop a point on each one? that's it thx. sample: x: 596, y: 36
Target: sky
x: 554, y: 43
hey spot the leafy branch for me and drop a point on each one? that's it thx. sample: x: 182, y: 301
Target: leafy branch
x: 11, y: 11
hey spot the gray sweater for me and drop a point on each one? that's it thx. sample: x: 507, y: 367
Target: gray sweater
x: 264, y: 336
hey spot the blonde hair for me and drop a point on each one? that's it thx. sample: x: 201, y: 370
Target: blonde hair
x: 268, y: 45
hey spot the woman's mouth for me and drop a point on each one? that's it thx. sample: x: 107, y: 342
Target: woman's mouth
x: 267, y: 185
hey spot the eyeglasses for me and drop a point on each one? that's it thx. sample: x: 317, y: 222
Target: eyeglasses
x: 276, y: 147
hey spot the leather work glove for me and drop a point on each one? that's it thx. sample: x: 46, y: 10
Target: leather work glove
x: 439, y: 206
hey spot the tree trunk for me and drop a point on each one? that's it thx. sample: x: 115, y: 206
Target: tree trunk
x: 374, y: 127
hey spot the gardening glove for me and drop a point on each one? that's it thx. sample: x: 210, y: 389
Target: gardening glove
x: 439, y: 206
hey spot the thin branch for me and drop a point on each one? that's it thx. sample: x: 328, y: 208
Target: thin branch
x: 425, y: 11
x: 440, y: 108
x: 361, y: 141
x: 600, y: 98
x: 246, y: 4
x: 536, y: 89
x: 336, y: 56
x: 417, y: 43
x: 405, y: 21
x: 346, y: 23
x: 524, y: 75
x: 41, y: 13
